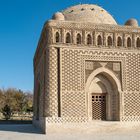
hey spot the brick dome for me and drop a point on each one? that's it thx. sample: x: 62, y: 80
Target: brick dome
x: 58, y: 16
x: 132, y: 22
x: 89, y: 13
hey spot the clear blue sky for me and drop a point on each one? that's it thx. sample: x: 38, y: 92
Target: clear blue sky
x: 21, y: 22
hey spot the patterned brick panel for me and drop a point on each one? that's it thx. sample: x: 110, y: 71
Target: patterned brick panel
x: 70, y: 70
x: 74, y: 78
x: 41, y: 105
x: 39, y: 94
x: 131, y: 104
x: 51, y: 83
x: 131, y: 118
x: 73, y: 104
x: 66, y: 119
x: 133, y: 72
x: 73, y: 66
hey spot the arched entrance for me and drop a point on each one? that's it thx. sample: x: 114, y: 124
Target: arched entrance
x: 103, y: 95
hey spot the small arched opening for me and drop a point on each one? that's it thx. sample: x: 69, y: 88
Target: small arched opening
x: 129, y: 42
x: 57, y: 37
x: 138, y: 43
x: 119, y: 41
x: 99, y: 40
x: 109, y: 41
x: 68, y: 38
x: 78, y: 39
x: 89, y: 39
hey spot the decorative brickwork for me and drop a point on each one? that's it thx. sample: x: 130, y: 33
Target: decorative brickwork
x: 102, y: 58
x: 73, y: 104
x: 131, y: 106
x: 77, y: 60
x: 52, y: 84
x: 133, y: 72
x: 106, y: 57
x: 66, y: 120
x: 70, y: 62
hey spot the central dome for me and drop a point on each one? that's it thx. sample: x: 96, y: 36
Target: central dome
x: 88, y: 13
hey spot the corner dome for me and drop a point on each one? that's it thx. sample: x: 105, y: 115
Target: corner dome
x: 88, y: 13
x: 132, y: 22
x: 58, y: 16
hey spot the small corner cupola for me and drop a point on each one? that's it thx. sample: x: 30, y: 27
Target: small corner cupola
x: 132, y: 22
x: 58, y: 16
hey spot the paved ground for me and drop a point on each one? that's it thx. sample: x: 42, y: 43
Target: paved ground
x: 95, y: 131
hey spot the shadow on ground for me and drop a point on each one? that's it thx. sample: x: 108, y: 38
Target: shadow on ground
x: 21, y: 128
x: 15, y: 122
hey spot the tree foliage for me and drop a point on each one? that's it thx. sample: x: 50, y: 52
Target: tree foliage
x: 16, y: 101
x: 7, y: 112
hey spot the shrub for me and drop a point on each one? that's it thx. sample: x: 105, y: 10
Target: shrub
x: 7, y: 112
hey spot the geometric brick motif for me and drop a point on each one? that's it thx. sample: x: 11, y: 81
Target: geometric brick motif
x: 63, y: 72
x: 66, y: 120
x: 89, y: 65
x: 52, y: 85
x: 132, y: 104
x: 73, y: 104
x: 133, y: 72
x: 70, y: 70
x: 116, y: 67
x: 76, y: 62
x: 73, y: 65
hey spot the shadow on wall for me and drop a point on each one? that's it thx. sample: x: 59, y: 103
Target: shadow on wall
x: 21, y: 128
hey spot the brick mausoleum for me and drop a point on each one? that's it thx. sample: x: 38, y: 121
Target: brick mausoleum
x: 87, y: 68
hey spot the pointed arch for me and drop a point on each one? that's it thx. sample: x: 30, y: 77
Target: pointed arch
x: 119, y: 41
x: 104, y: 79
x: 99, y: 40
x: 68, y: 38
x: 106, y: 72
x: 138, y: 43
x: 89, y: 39
x: 109, y: 41
x: 79, y: 38
x: 129, y: 42
x: 57, y: 37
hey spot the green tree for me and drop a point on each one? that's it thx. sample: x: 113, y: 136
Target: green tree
x: 7, y: 112
x: 20, y: 101
x: 29, y: 103
x: 1, y: 99
x: 17, y: 100
x: 9, y: 98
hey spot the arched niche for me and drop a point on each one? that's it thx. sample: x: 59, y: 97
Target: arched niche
x: 57, y: 37
x: 89, y: 39
x: 129, y: 42
x: 119, y: 42
x: 99, y: 40
x: 103, y: 81
x: 109, y: 41
x: 68, y: 38
x: 79, y: 39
